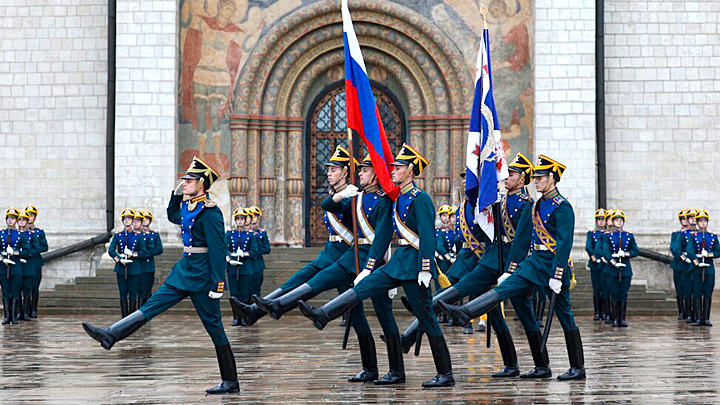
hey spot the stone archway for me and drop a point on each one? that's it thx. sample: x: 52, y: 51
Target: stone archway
x: 267, y: 128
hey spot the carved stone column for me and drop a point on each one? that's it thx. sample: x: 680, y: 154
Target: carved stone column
x: 295, y: 185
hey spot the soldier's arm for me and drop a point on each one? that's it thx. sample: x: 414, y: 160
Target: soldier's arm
x: 676, y: 245
x: 173, y: 209
x: 343, y: 207
x: 565, y: 227
x: 112, y: 250
x: 158, y: 245
x: 715, y: 252
x: 142, y: 248
x: 27, y: 249
x: 633, y: 247
x: 43, y: 241
x: 254, y: 248
x: 440, y: 250
x: 523, y: 237
x: 690, y: 248
x: 589, y: 246
x: 383, y: 233
x: 424, y: 211
x: 228, y: 243
x: 265, y: 243
x: 213, y: 225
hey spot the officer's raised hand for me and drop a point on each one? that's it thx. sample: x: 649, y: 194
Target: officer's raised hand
x: 179, y: 188
x: 218, y: 291
x: 349, y: 192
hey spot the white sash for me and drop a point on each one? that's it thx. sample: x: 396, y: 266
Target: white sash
x: 405, y: 232
x: 340, y: 229
x: 365, y: 226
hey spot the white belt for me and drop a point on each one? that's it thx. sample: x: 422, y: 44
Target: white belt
x: 540, y: 247
x: 404, y: 242
x: 505, y: 239
x: 364, y: 241
x: 195, y: 249
x: 466, y: 245
x: 336, y: 238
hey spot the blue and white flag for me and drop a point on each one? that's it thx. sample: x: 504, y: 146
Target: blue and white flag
x: 485, y: 162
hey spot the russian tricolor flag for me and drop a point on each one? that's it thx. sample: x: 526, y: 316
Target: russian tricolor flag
x: 485, y: 159
x: 362, y: 113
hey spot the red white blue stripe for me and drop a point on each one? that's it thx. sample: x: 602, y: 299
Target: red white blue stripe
x: 485, y: 159
x: 362, y: 113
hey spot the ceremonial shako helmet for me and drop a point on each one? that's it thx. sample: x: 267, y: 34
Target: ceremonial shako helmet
x: 691, y: 213
x: 600, y: 213
x: 12, y: 211
x: 444, y: 209
x: 149, y: 214
x: 255, y: 211
x: 238, y: 212
x: 202, y: 172
x: 138, y: 215
x: 546, y: 166
x: 367, y: 162
x: 24, y: 214
x: 682, y: 214
x: 127, y: 212
x: 244, y: 212
x: 618, y: 214
x: 410, y: 157
x: 31, y: 210
x: 522, y: 165
x: 340, y: 158
x: 453, y: 211
x: 702, y: 214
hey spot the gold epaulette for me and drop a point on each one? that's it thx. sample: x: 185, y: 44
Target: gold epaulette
x: 415, y: 192
x: 210, y: 203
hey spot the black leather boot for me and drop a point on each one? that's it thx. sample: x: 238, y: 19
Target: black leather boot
x: 616, y: 313
x: 623, y: 309
x: 596, y: 305
x: 507, y: 349
x: 228, y: 372
x: 368, y: 356
x: 276, y: 307
x: 21, y: 309
x: 409, y: 337
x: 236, y: 315
x: 698, y: 311
x: 539, y: 355
x: 576, y: 356
x: 396, y: 375
x: 681, y: 311
x: 333, y: 309
x: 468, y: 329
x: 540, y: 312
x: 443, y: 364
x: 609, y: 309
x: 473, y: 309
x: 27, y: 306
x: 6, y: 311
x: 133, y: 305
x: 14, y: 308
x: 33, y: 310
x: 123, y: 307
x: 688, y: 310
x: 118, y: 331
x: 449, y: 294
x: 707, y: 304
x: 249, y: 314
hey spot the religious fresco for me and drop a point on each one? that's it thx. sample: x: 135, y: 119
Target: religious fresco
x: 216, y: 37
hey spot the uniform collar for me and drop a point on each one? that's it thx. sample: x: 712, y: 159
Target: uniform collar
x: 550, y: 194
x: 407, y: 188
x: 516, y: 191
x: 198, y: 198
x: 340, y: 188
x: 373, y: 188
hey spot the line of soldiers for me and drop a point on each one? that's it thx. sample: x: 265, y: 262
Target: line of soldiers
x: 246, y: 246
x: 610, y: 249
x: 694, y: 250
x: 134, y: 249
x: 543, y: 229
x: 21, y: 244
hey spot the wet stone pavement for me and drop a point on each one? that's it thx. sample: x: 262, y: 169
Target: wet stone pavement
x: 172, y: 361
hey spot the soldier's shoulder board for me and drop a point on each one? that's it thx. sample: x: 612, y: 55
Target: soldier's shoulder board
x: 415, y: 192
x: 558, y: 199
x: 210, y: 203
x: 524, y: 196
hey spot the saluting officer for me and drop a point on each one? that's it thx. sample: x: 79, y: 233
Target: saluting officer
x: 340, y: 239
x: 200, y: 274
x: 618, y: 249
x: 37, y: 259
x: 553, y: 223
x: 412, y: 265
x: 593, y: 247
x: 677, y: 264
x: 704, y: 249
x: 155, y: 248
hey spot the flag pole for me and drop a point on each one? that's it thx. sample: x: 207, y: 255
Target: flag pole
x: 353, y: 204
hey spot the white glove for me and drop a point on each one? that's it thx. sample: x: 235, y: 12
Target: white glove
x: 621, y: 253
x: 349, y: 191
x: 179, y: 188
x: 127, y: 252
x: 503, y: 278
x: 555, y: 285
x: 688, y: 260
x: 235, y: 263
x: 424, y: 278
x: 215, y: 295
x: 452, y: 259
x: 392, y: 293
x: 620, y: 265
x: 125, y: 261
x: 240, y: 253
x: 9, y: 250
x: 616, y: 255
x: 8, y: 261
x: 361, y: 276
x: 227, y: 259
x: 703, y: 264
x: 23, y: 261
x: 598, y: 261
x: 704, y: 253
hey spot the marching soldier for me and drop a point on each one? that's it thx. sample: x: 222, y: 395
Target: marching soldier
x: 125, y: 248
x: 11, y: 268
x: 609, y: 317
x: 703, y: 250
x: 200, y: 274
x: 339, y: 241
x: 619, y: 247
x: 680, y: 249
x: 264, y: 243
x: 548, y: 264
x: 152, y: 239
x: 37, y: 259
x: 676, y: 265
x: 593, y: 247
x: 242, y: 246
x: 412, y: 266
x: 31, y: 247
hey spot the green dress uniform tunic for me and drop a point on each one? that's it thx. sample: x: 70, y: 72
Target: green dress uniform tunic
x: 32, y: 248
x: 37, y: 260
x: 593, y: 247
x: 606, y: 268
x: 199, y: 272
x: 445, y: 248
x: 680, y: 248
x: 11, y: 275
x: 127, y: 275
x: 675, y: 266
x: 620, y: 277
x: 240, y: 277
x: 703, y: 278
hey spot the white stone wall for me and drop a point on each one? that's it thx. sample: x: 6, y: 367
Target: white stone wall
x: 145, y: 144
x: 52, y: 113
x: 663, y: 97
x: 565, y: 97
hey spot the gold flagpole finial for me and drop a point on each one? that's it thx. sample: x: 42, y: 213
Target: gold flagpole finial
x: 484, y: 11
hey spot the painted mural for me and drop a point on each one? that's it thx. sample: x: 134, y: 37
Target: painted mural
x: 217, y: 36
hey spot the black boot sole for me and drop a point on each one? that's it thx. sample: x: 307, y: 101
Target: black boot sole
x: 90, y: 330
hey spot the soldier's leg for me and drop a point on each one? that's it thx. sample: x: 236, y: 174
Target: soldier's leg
x: 232, y: 280
x: 420, y: 300
x: 123, y: 290
x: 27, y: 287
x: 607, y: 297
x: 5, y: 285
x: 133, y: 292
x: 573, y: 342
x: 614, y: 283
x: 36, y: 291
x: 523, y: 305
x: 597, y: 293
x: 677, y: 282
x: 15, y: 289
x: 688, y: 289
x: 624, y: 288
x: 708, y: 287
x: 383, y: 310
x: 366, y: 343
x: 208, y: 310
x: 505, y: 343
x: 696, y: 277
